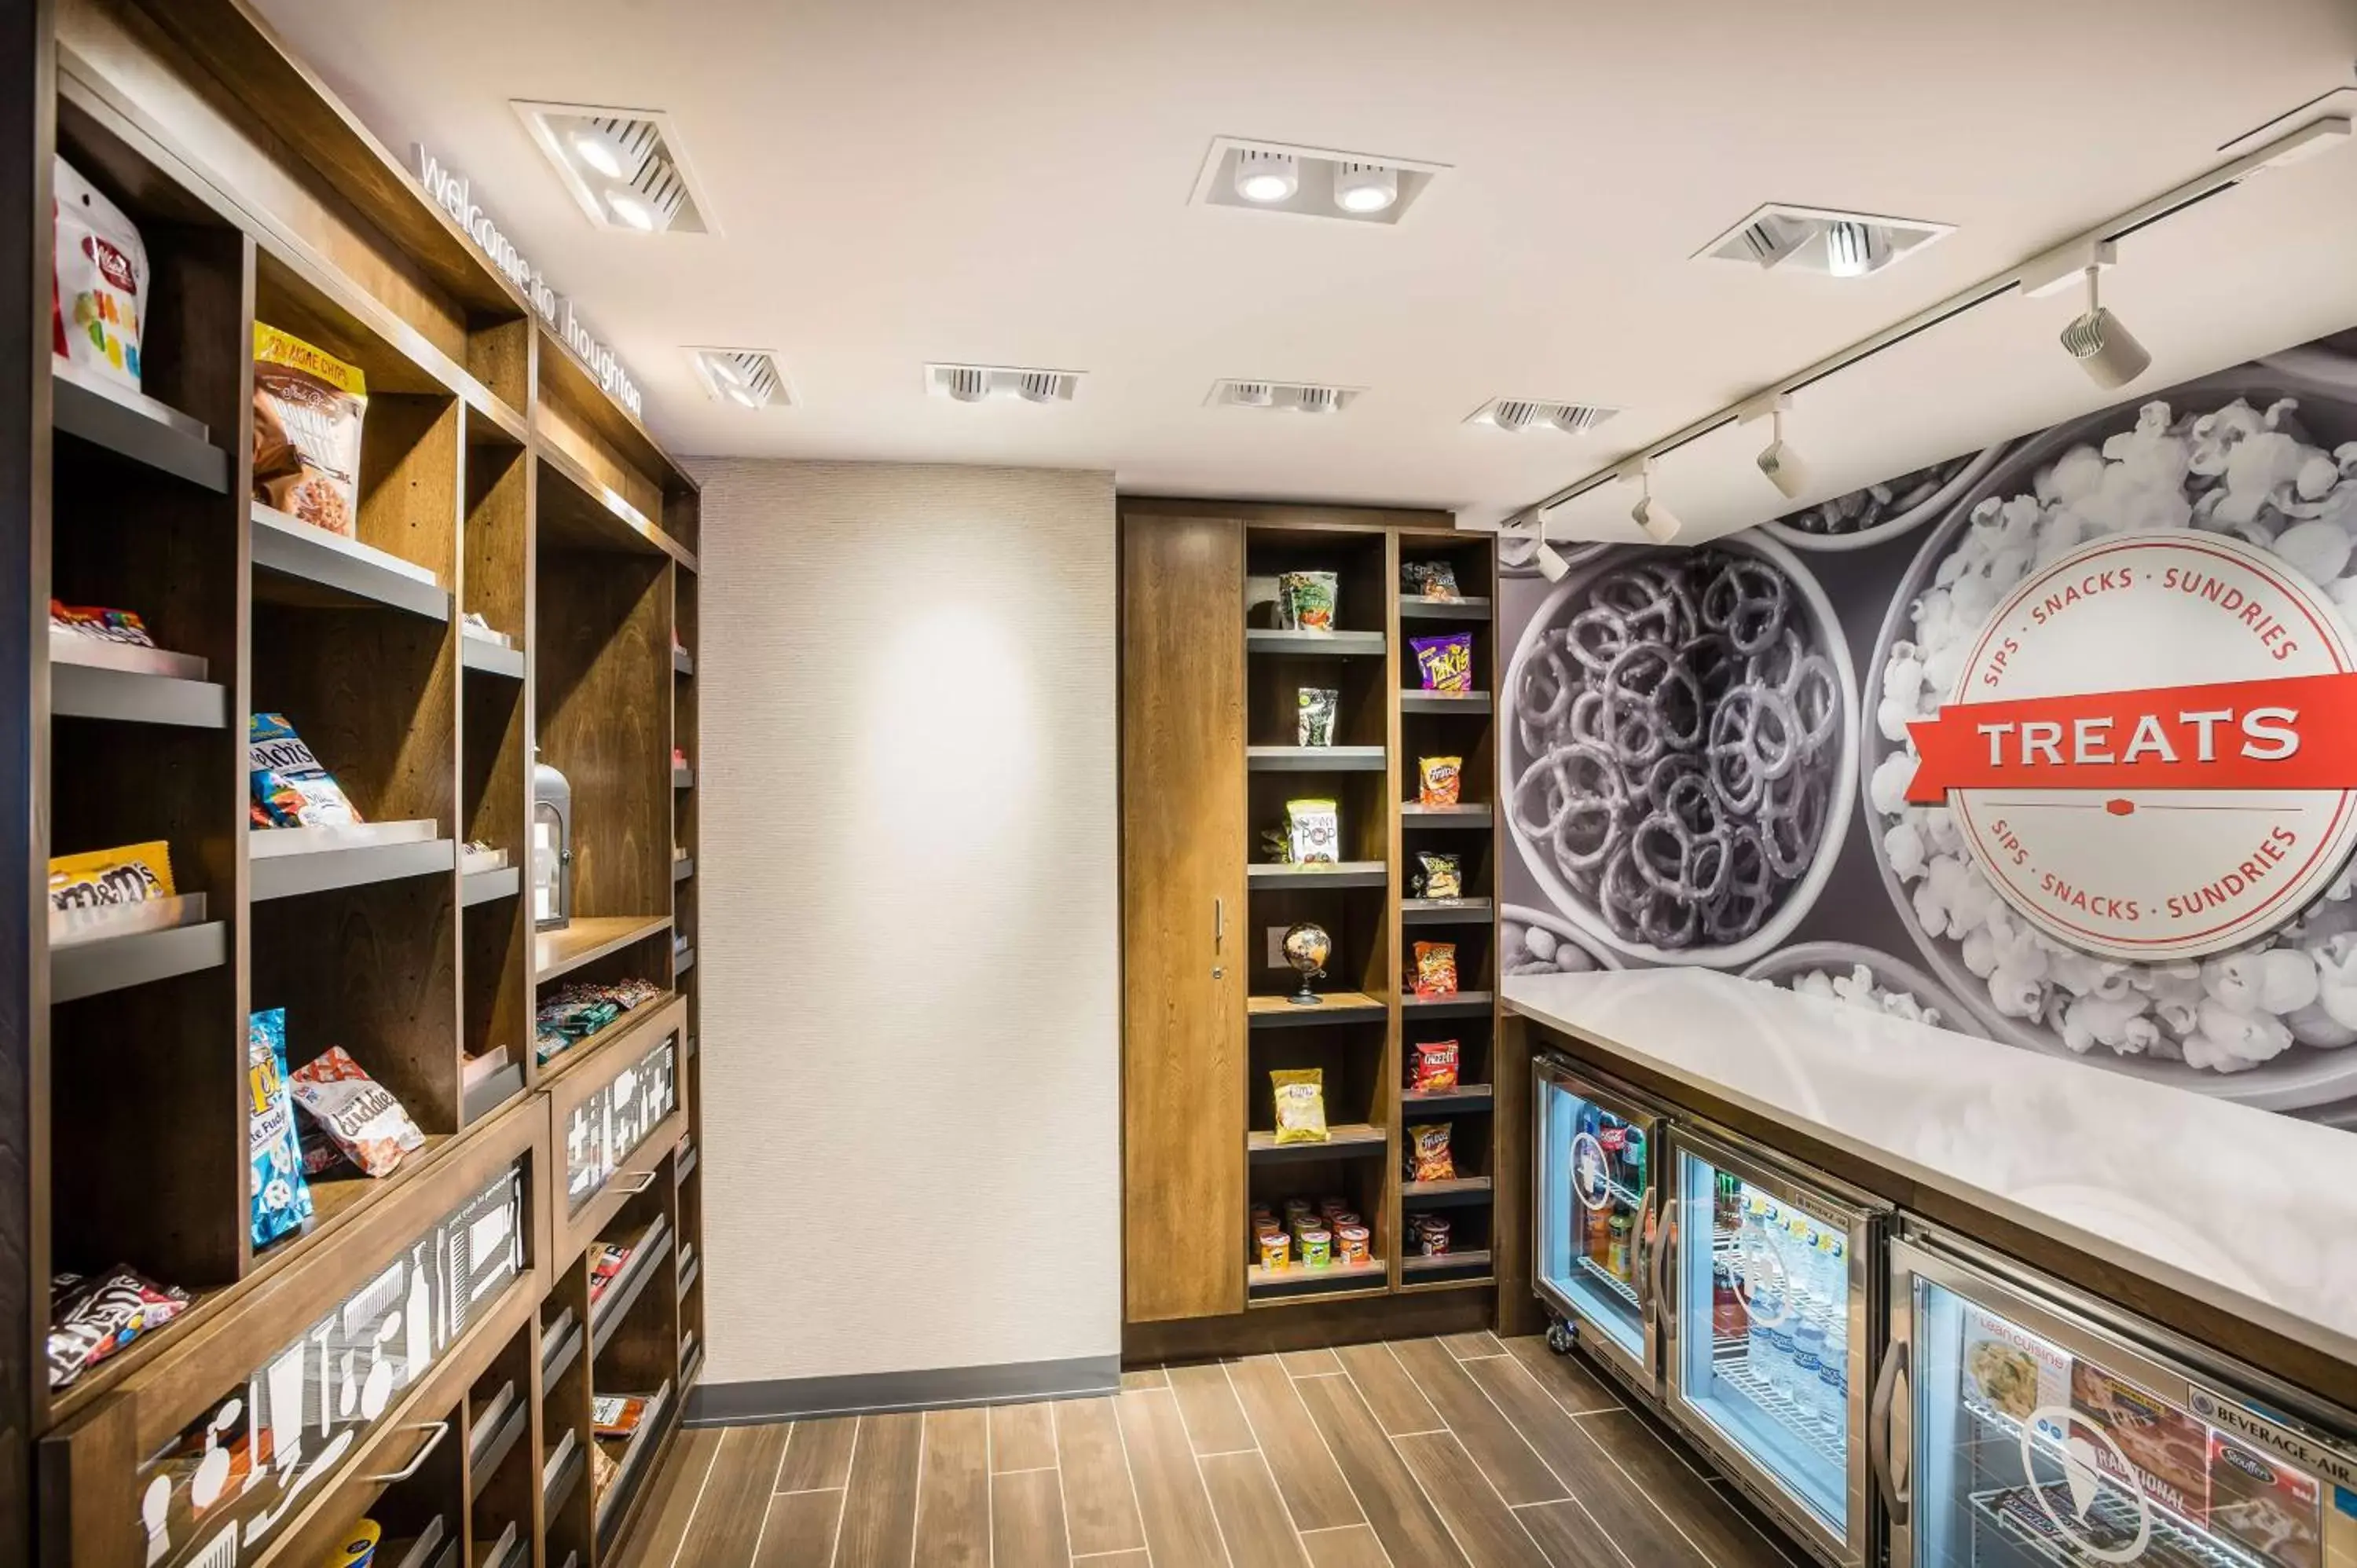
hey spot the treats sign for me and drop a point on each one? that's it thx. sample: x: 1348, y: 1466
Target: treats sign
x: 2152, y: 750
x: 454, y: 193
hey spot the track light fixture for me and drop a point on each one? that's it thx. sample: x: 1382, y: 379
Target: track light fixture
x: 1660, y: 523
x: 1780, y: 464
x: 2104, y: 348
x: 1553, y: 567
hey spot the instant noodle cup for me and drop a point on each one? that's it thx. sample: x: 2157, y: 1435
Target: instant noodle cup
x: 1317, y: 1247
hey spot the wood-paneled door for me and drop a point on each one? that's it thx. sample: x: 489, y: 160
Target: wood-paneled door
x: 1183, y: 928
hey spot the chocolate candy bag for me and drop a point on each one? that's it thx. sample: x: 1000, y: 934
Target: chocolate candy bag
x: 281, y: 1196
x: 1439, y: 782
x: 357, y: 1113
x: 1300, y: 1096
x: 1445, y: 662
x: 90, y: 1320
x: 136, y: 874
x: 290, y: 789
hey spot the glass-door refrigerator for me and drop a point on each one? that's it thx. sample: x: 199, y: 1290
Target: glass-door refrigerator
x: 1773, y: 1315
x: 2021, y: 1424
x: 1596, y: 1209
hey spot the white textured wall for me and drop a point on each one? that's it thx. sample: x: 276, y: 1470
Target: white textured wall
x: 909, y: 908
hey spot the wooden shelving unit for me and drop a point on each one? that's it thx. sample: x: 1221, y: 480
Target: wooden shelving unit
x: 1203, y: 655
x: 496, y: 480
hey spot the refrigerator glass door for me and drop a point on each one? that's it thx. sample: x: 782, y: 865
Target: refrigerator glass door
x: 1595, y: 1176
x: 1767, y: 1353
x: 2038, y: 1438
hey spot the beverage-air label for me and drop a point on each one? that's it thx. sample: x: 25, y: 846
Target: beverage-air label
x: 2152, y: 749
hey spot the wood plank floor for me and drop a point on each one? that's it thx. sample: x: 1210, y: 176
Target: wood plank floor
x: 1461, y: 1453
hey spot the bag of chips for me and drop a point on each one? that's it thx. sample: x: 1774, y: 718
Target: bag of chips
x: 356, y: 1111
x: 1428, y: 1158
x: 1433, y: 1070
x: 290, y: 789
x: 90, y: 1320
x: 1439, y: 875
x: 1305, y: 600
x: 308, y: 409
x: 1428, y: 580
x: 282, y: 1198
x: 1445, y: 662
x: 100, y: 279
x: 136, y: 874
x: 1300, y: 1095
x: 1436, y: 970
x: 1318, y: 704
x: 1314, y: 832
x: 99, y: 624
x: 1439, y: 782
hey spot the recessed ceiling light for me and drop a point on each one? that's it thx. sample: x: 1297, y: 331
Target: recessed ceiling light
x: 1510, y: 414
x: 623, y: 167
x: 748, y: 378
x: 1266, y: 177
x: 1310, y: 182
x: 974, y: 383
x: 1365, y: 187
x: 1300, y: 397
x: 1822, y: 240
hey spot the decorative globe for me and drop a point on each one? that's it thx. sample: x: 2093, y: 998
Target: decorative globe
x: 1306, y: 949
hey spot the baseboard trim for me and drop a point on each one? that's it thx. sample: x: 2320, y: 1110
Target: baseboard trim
x: 868, y: 1393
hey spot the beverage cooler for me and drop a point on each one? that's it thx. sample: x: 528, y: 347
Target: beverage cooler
x: 2020, y: 1424
x: 1595, y: 1210
x: 1773, y: 1314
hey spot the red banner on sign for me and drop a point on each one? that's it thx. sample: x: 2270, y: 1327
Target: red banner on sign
x: 2299, y: 733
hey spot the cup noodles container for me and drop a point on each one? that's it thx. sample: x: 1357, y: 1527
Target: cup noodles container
x: 1351, y: 1244
x: 1317, y: 1247
x: 1276, y: 1250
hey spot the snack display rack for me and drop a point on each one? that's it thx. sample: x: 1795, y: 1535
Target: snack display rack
x: 520, y: 585
x: 1214, y: 754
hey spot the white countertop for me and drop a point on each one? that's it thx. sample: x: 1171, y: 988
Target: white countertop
x: 2250, y: 1211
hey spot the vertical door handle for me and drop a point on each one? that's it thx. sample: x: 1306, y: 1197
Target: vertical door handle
x: 1662, y: 1291
x: 1218, y: 924
x: 1652, y: 1232
x: 1889, y: 1386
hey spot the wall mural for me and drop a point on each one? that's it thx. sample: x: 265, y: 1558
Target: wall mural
x: 2132, y: 847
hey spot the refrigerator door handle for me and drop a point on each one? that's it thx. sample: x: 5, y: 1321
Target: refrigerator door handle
x: 1660, y: 1291
x: 1651, y: 1234
x: 1889, y: 1386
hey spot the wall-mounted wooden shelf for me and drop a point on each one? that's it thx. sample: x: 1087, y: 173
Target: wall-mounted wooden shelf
x: 1444, y: 701
x: 683, y: 662
x: 298, y: 564
x: 114, y: 963
x: 1318, y: 644
x: 1317, y: 758
x: 1413, y: 607
x: 326, y: 870
x: 1348, y: 1140
x: 1447, y: 912
x: 1334, y: 874
x: 106, y: 423
x: 89, y: 691
x: 683, y: 866
x: 1463, y: 1004
x: 487, y: 658
x: 1465, y: 1097
x: 1417, y: 1265
x: 589, y: 938
x: 483, y: 887
x: 1332, y: 1007
x: 1263, y: 1284
x: 1455, y: 1192
x: 1472, y: 819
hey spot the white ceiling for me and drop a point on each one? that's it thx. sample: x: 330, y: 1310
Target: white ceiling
x: 901, y: 181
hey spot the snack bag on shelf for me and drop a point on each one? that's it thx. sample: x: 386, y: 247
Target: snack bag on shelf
x: 308, y: 409
x: 1300, y: 1095
x: 90, y: 1320
x: 1436, y: 970
x: 1315, y: 722
x: 1305, y: 600
x: 290, y: 789
x: 100, y: 624
x: 1428, y: 580
x: 1429, y: 1157
x: 1314, y: 832
x: 136, y: 874
x: 1438, y: 781
x: 357, y: 1113
x: 282, y: 1198
x: 100, y: 280
x: 1445, y: 662
x: 1435, y: 1067
x: 1439, y: 875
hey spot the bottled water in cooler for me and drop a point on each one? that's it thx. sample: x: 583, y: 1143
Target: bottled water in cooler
x: 1832, y: 1376
x: 1802, y: 1337
x: 1761, y: 1286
